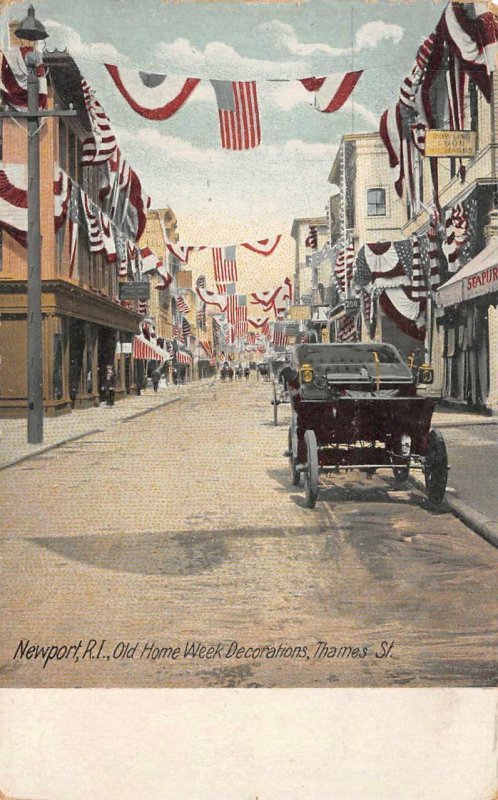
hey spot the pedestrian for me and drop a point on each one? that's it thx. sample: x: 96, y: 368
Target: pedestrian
x: 175, y: 375
x: 110, y: 385
x: 156, y: 377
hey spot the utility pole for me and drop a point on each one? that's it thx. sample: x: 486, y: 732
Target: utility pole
x: 33, y: 30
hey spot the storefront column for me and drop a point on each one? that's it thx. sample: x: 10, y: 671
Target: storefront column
x: 492, y: 402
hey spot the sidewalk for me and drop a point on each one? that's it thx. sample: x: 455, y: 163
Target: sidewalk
x: 472, y: 444
x: 82, y: 422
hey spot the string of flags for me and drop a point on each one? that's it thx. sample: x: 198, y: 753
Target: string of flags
x: 157, y: 97
x: 223, y: 254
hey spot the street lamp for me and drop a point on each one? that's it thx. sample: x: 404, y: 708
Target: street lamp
x: 32, y: 30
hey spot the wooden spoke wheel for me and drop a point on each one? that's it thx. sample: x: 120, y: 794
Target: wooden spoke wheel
x: 311, y: 474
x: 436, y: 468
x: 296, y: 476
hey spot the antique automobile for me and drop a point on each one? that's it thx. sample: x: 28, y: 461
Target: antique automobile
x: 361, y: 407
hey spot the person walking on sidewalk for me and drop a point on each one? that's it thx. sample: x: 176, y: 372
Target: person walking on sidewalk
x: 156, y: 377
x: 110, y: 385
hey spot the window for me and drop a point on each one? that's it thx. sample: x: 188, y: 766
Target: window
x: 376, y: 201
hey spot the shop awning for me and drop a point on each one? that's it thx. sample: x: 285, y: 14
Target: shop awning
x: 143, y: 348
x: 477, y: 278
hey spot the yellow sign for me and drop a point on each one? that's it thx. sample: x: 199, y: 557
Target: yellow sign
x: 184, y: 279
x: 299, y: 312
x: 450, y: 144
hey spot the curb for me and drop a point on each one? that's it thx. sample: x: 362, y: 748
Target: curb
x: 69, y: 439
x: 53, y: 446
x: 477, y: 522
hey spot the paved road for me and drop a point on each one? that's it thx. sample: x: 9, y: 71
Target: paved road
x: 122, y: 549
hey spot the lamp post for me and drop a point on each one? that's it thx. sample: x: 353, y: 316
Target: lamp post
x: 32, y: 30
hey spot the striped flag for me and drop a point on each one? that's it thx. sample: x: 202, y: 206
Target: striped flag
x: 182, y: 305
x: 419, y: 288
x: 226, y: 288
x: 238, y: 114
x: 433, y: 253
x: 348, y: 328
x: 225, y: 263
x: 312, y: 237
x: 95, y: 238
x: 186, y: 327
x: 201, y: 282
x: 344, y: 266
x: 201, y: 317
x: 102, y: 144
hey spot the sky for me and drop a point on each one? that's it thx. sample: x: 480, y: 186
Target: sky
x: 219, y: 196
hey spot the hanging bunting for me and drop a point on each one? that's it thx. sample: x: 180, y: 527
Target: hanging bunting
x: 62, y: 196
x: 264, y: 247
x: 153, y: 96
x: 332, y: 92
x: 14, y: 201
x: 14, y: 79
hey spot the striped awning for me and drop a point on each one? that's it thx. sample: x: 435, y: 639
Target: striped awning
x: 142, y: 348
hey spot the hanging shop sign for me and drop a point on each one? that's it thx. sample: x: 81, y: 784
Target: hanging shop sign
x: 134, y: 290
x: 352, y: 304
x: 299, y: 312
x: 450, y: 144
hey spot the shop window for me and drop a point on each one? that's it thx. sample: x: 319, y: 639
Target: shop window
x: 57, y: 379
x: 376, y: 202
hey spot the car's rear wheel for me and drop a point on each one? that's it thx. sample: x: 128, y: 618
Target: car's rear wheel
x: 311, y: 474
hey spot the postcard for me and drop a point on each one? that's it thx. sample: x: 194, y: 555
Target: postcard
x: 249, y: 379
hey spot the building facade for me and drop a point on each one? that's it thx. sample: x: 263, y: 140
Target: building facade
x: 86, y: 255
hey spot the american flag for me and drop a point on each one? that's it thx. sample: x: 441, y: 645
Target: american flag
x: 238, y: 114
x: 419, y: 288
x: 201, y: 282
x: 344, y: 266
x: 216, y: 334
x: 182, y: 305
x: 279, y: 335
x: 102, y: 144
x: 201, y: 316
x: 142, y: 307
x: 186, y: 327
x: 433, y: 254
x: 226, y: 288
x: 95, y: 238
x: 225, y: 264
x: 177, y: 333
x: 251, y: 338
x: 312, y: 237
x: 348, y: 328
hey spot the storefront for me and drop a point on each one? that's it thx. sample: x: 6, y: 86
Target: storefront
x: 469, y: 299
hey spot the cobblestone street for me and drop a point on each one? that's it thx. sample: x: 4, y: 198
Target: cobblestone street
x: 182, y: 526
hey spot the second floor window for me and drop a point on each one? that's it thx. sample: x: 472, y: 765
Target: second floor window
x: 376, y: 202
